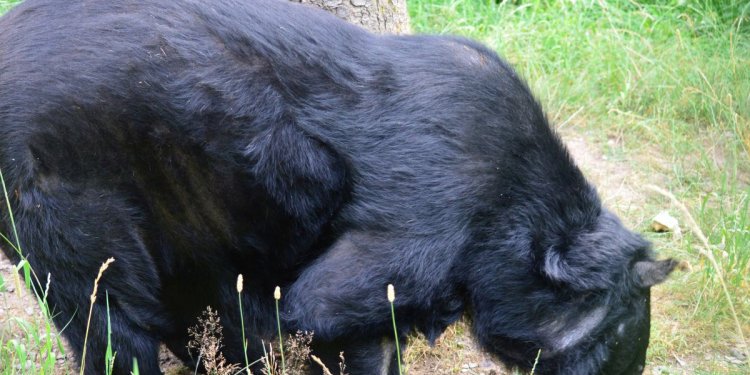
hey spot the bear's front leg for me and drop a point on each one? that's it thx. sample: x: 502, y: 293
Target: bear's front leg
x: 342, y: 298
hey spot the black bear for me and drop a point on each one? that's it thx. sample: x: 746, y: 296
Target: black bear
x: 196, y: 140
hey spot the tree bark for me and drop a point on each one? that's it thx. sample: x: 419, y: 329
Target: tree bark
x: 380, y: 16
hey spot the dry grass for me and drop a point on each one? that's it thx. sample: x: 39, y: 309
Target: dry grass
x: 206, y: 340
x: 298, y: 352
x: 103, y: 268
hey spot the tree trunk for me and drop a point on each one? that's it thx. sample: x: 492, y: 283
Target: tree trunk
x: 380, y: 16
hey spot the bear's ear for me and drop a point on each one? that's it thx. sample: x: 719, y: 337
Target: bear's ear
x: 579, y: 270
x: 648, y: 273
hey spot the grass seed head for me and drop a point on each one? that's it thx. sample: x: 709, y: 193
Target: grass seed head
x: 239, y: 283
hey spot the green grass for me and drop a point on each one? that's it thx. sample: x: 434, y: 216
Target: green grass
x: 7, y: 4
x: 35, y: 350
x: 670, y: 82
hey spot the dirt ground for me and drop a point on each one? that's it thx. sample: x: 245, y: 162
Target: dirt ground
x: 455, y: 352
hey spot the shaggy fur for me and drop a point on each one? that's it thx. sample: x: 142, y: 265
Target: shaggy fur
x: 195, y: 140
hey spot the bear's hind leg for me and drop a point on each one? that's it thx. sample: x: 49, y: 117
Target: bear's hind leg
x: 68, y: 234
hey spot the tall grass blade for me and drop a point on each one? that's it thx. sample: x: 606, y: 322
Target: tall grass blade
x: 277, y: 297
x: 242, y: 323
x: 109, y: 355
x: 391, y: 298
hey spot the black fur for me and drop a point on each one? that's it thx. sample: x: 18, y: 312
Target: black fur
x: 195, y: 140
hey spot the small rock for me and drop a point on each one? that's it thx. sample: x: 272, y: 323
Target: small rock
x: 736, y: 356
x: 684, y: 266
x: 664, y: 222
x: 736, y: 352
x: 28, y: 310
